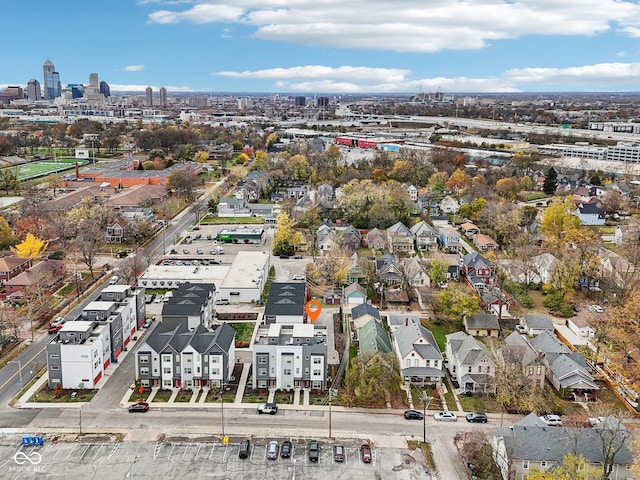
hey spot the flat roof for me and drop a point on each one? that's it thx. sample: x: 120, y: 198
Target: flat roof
x: 99, y: 305
x: 187, y: 273
x: 247, y: 270
x: 77, y: 326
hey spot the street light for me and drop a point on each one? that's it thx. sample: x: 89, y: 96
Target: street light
x: 19, y: 369
x: 222, y: 405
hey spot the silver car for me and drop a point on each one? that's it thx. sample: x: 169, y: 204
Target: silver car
x: 445, y: 416
x: 272, y: 450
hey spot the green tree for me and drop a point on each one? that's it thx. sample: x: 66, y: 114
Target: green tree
x: 550, y: 182
x: 156, y: 153
x: 9, y: 179
x: 438, y: 272
x: 184, y: 182
x: 283, y: 240
x: 372, y: 379
x: 6, y: 235
x: 453, y: 303
x: 472, y: 209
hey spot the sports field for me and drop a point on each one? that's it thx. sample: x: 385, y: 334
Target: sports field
x: 42, y: 168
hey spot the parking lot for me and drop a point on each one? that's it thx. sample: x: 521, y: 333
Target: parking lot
x: 102, y: 458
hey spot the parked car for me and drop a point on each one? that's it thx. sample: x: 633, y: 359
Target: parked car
x: 285, y: 451
x: 245, y: 448
x: 200, y: 251
x: 220, y: 250
x: 365, y: 453
x: 147, y: 323
x: 314, y: 451
x: 597, y: 308
x: 185, y: 250
x: 445, y: 416
x: 338, y: 453
x: 521, y: 328
x: 298, y: 277
x: 222, y: 301
x: 297, y: 257
x: 413, y: 415
x: 55, y: 328
x: 113, y: 280
x: 270, y: 408
x: 576, y: 307
x: 551, y: 420
x: 139, y: 407
x: 57, y: 321
x: 272, y: 450
x: 477, y: 417
x: 213, y: 252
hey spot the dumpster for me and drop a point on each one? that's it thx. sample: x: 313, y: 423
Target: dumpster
x: 31, y: 439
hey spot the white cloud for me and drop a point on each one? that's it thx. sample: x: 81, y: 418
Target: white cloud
x: 349, y: 79
x: 411, y: 25
x: 142, y: 88
x: 133, y: 68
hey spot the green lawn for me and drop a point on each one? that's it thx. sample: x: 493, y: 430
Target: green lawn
x: 137, y: 396
x: 244, y: 331
x: 184, y: 396
x: 209, y: 220
x: 162, y: 396
x: 439, y: 331
x: 45, y: 167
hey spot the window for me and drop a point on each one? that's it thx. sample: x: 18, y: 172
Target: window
x: 470, y: 368
x: 166, y: 371
x: 408, y: 362
x: 144, y: 359
x: 205, y: 358
x: 262, y: 384
x: 539, y: 370
x: 317, y: 361
x: 55, y: 367
x: 144, y: 371
x: 166, y: 358
x: 488, y: 368
x: 206, y: 370
x: 187, y: 371
x: 287, y: 371
x: 215, y: 371
x: 317, y: 372
x: 543, y: 464
x: 215, y: 359
x: 262, y: 360
x: 525, y: 464
x: 198, y: 370
x: 262, y: 371
x: 530, y: 370
x: 53, y: 356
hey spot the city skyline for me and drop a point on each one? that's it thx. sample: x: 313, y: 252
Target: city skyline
x: 330, y: 47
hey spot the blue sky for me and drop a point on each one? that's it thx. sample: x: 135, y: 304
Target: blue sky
x: 328, y: 46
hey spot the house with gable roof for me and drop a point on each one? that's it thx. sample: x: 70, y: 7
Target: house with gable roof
x: 325, y: 237
x: 469, y: 363
x: 363, y: 314
x: 420, y: 358
x: 191, y: 304
x: 11, y: 266
x: 354, y: 294
x: 356, y: 272
x: 530, y: 444
x: 485, y: 243
x: 389, y: 270
x: 373, y: 338
x: 449, y: 205
x: 415, y: 273
x: 537, y: 323
x: 566, y: 370
x: 518, y: 353
x: 400, y: 238
x: 376, y: 239
x: 351, y: 238
x: 172, y: 357
x: 478, y: 271
x: 449, y: 238
x: 589, y: 214
x: 482, y: 325
x: 425, y: 236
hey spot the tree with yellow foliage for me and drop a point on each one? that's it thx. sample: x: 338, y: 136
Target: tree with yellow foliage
x: 201, y: 156
x: 31, y: 247
x: 458, y: 181
x: 573, y: 468
x: 558, y: 220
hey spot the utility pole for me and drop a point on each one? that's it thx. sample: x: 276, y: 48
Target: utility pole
x: 426, y: 400
x: 332, y: 392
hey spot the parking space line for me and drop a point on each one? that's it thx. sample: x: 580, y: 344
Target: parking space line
x: 186, y: 449
x: 57, y: 452
x: 72, y: 450
x: 84, y: 452
x: 198, y: 450
x: 226, y: 449
x: 173, y: 446
x: 97, y: 451
x: 212, y: 449
x: 113, y: 450
x: 46, y: 448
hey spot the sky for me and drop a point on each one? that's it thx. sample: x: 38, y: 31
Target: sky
x: 328, y: 46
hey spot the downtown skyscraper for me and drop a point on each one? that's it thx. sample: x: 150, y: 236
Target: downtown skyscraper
x: 52, y: 88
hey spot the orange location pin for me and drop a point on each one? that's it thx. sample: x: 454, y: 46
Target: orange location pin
x: 313, y: 309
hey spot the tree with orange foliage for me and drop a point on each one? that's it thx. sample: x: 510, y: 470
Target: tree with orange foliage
x: 458, y: 181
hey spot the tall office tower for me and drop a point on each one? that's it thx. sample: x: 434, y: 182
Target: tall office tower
x: 52, y: 85
x: 149, y: 97
x: 323, y: 102
x: 300, y: 101
x: 33, y: 90
x: 105, y: 89
x: 93, y: 80
x: 163, y: 97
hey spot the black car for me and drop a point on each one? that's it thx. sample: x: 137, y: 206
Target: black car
x: 412, y: 415
x: 245, y: 448
x: 139, y: 407
x: 476, y: 417
x: 285, y: 450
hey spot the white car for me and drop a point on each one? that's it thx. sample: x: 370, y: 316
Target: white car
x: 445, y: 416
x: 551, y: 420
x: 597, y: 308
x: 298, y: 277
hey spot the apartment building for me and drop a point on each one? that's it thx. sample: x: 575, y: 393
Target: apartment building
x: 176, y: 357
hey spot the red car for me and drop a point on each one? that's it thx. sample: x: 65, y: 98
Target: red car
x: 139, y: 407
x: 365, y: 453
x: 55, y: 328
